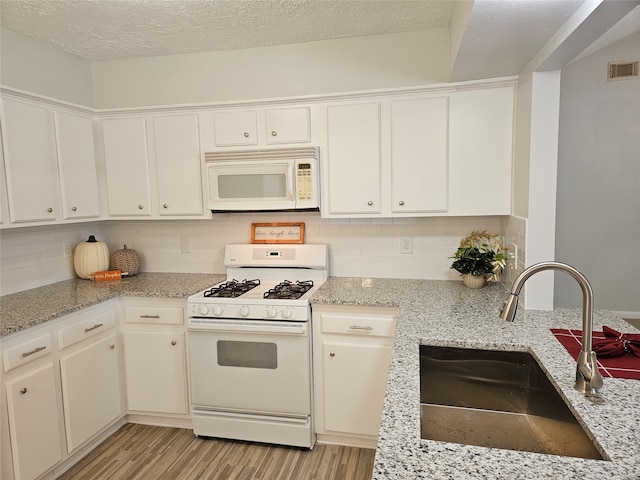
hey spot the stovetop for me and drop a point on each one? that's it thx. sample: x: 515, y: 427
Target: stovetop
x: 254, y: 299
x: 264, y: 282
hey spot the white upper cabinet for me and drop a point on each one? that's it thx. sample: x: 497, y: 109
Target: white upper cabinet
x: 262, y: 126
x: 287, y: 125
x: 353, y: 159
x: 176, y: 147
x: 77, y: 165
x: 50, y: 163
x: 30, y: 161
x: 127, y: 166
x: 236, y: 128
x: 419, y: 157
x: 153, y: 165
x: 386, y: 158
x: 481, y: 151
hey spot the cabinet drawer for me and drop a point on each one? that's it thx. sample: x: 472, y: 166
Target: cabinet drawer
x: 86, y: 329
x: 358, y: 325
x: 162, y: 315
x: 26, y: 352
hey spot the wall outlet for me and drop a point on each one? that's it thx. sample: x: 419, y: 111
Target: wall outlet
x: 67, y: 249
x: 406, y: 245
x: 185, y: 244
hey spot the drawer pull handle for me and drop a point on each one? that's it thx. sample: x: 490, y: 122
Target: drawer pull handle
x: 23, y: 390
x: 361, y: 327
x: 149, y: 316
x: 332, y: 354
x: 112, y: 346
x: 97, y: 325
x: 35, y: 350
x: 173, y: 342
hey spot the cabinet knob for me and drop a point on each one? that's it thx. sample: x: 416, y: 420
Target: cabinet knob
x: 112, y: 346
x: 246, y: 134
x: 332, y: 354
x: 23, y: 390
x: 74, y: 209
x: 140, y: 207
x: 49, y: 209
x: 165, y: 206
x: 173, y: 342
x: 369, y: 203
x: 274, y: 134
x: 401, y: 202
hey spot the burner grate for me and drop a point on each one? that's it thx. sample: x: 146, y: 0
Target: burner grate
x: 232, y: 289
x: 287, y: 290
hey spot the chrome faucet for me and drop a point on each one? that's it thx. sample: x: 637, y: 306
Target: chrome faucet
x: 588, y: 378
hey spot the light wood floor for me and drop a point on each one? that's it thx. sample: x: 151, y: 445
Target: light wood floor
x: 142, y: 452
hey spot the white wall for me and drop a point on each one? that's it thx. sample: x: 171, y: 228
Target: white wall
x: 598, y: 199
x: 37, y: 67
x: 371, y: 248
x: 381, y: 61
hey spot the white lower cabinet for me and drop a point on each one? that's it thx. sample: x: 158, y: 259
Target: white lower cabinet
x: 91, y: 391
x: 352, y: 351
x: 156, y: 372
x: 155, y: 357
x: 62, y: 392
x: 34, y: 427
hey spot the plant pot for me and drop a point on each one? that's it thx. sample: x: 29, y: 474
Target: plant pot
x: 472, y: 281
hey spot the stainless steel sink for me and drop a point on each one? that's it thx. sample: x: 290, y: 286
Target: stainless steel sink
x: 496, y: 399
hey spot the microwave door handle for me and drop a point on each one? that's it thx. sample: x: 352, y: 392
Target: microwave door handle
x: 293, y: 187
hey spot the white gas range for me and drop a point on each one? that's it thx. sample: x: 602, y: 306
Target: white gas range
x: 250, y: 345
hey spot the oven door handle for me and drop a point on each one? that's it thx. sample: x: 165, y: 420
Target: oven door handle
x: 239, y: 326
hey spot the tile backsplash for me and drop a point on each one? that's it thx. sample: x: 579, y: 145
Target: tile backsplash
x: 31, y: 257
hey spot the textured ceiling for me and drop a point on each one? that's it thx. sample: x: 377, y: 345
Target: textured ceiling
x: 111, y: 29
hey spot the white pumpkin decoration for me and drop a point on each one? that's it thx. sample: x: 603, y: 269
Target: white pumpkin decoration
x: 90, y: 257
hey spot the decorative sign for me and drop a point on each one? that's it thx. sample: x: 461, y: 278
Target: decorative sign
x: 277, y: 233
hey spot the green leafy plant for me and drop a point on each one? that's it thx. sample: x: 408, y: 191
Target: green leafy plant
x: 481, y: 253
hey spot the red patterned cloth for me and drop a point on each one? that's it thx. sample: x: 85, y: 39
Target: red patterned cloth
x: 621, y: 366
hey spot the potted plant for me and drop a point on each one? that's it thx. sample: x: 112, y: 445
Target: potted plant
x: 480, y: 258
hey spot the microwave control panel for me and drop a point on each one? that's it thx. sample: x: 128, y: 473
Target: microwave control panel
x: 304, y: 181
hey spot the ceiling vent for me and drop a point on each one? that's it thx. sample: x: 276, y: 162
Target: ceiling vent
x: 621, y: 71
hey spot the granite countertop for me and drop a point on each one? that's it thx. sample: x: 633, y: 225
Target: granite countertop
x: 19, y: 311
x: 448, y: 314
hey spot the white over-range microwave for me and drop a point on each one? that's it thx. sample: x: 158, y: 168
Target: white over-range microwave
x: 262, y: 180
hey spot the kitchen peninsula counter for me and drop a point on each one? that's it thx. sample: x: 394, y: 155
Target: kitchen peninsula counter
x: 22, y: 310
x: 448, y: 314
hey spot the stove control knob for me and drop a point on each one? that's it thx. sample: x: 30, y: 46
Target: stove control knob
x: 271, y: 312
x: 244, y: 311
x: 217, y: 310
x: 203, y: 309
x: 287, y: 312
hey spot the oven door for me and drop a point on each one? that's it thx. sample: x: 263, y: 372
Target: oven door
x: 257, y: 367
x: 251, y: 185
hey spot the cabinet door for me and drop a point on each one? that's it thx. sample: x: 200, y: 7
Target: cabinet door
x: 419, y: 158
x: 77, y: 165
x: 90, y: 390
x: 236, y: 128
x: 480, y: 151
x: 354, y: 158
x: 156, y: 372
x: 177, y: 153
x: 354, y: 381
x: 126, y: 157
x: 287, y: 125
x: 34, y: 423
x: 30, y: 161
